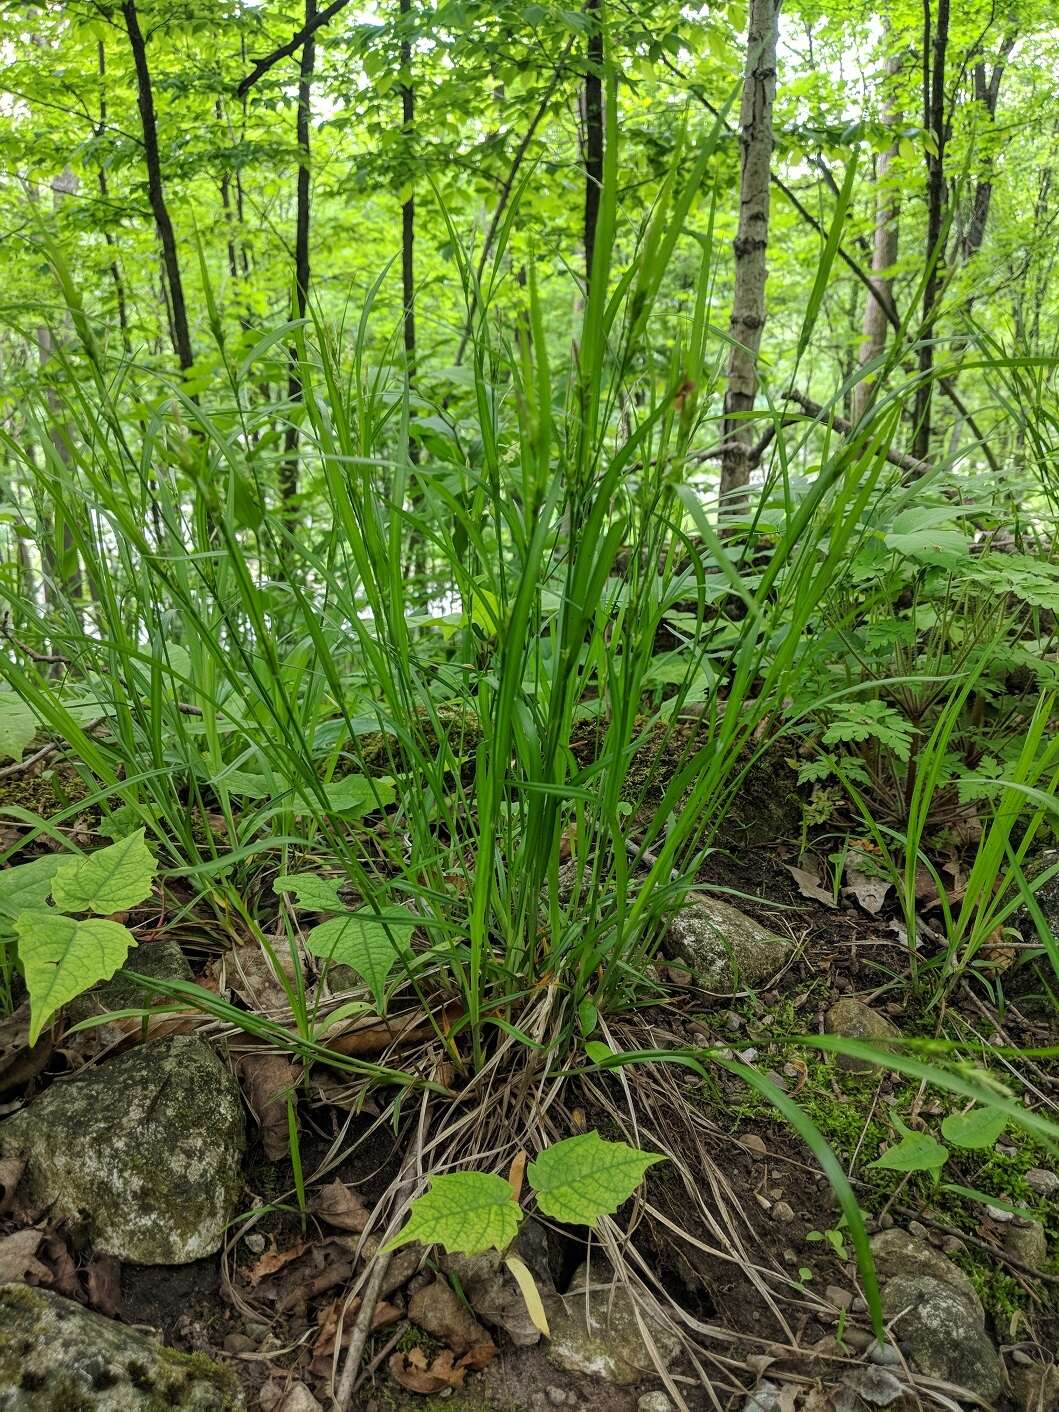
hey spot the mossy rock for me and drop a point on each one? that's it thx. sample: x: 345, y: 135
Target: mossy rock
x: 852, y: 1019
x: 726, y: 950
x: 142, y: 1154
x: 56, y: 1356
x: 161, y: 960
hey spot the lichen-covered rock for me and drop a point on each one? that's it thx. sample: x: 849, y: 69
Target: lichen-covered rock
x: 594, y: 1331
x: 142, y: 1153
x: 726, y: 950
x: 944, y: 1334
x: 1027, y: 1242
x: 56, y: 1355
x: 899, y: 1253
x: 854, y: 1020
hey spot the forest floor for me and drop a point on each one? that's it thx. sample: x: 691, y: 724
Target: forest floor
x: 786, y: 1321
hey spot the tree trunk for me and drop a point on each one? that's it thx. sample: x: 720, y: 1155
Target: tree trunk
x: 408, y: 209
x: 115, y: 268
x: 289, y: 469
x: 155, y: 188
x: 934, y: 55
x: 884, y: 252
x: 751, y: 243
x: 593, y: 119
x: 987, y: 94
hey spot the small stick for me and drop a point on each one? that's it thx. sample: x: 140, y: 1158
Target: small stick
x: 361, y: 1328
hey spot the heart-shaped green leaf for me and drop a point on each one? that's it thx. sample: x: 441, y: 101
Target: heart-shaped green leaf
x: 370, y: 944
x: 465, y: 1212
x: 18, y: 726
x: 585, y: 1177
x: 314, y: 893
x: 62, y: 957
x: 979, y: 1128
x: 916, y: 1152
x: 28, y: 885
x: 110, y: 880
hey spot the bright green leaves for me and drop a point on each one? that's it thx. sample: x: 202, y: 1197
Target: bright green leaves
x: 314, y: 893
x: 18, y: 726
x: 916, y: 1152
x: 356, y: 794
x: 27, y: 885
x: 110, y: 880
x: 979, y: 1128
x: 367, y: 941
x: 585, y: 1177
x: 465, y: 1212
x: 61, y: 957
x: 577, y: 1181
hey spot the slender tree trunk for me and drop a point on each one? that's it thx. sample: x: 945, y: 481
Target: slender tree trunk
x: 987, y: 95
x: 155, y: 188
x: 408, y: 210
x: 289, y: 469
x: 934, y: 56
x: 884, y: 251
x: 593, y: 120
x: 751, y: 244
x: 101, y: 176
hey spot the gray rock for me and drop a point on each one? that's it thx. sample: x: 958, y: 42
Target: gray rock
x: 1043, y: 1182
x: 854, y: 1020
x: 141, y: 1154
x: 725, y: 949
x: 654, y: 1402
x: 944, y: 1334
x: 490, y: 1288
x: 763, y: 1397
x: 595, y: 1332
x: 1027, y: 1243
x: 161, y: 960
x: 896, y: 1253
x: 55, y: 1354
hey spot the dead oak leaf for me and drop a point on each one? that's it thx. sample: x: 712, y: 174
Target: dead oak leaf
x: 809, y: 886
x: 271, y: 1261
x: 269, y: 1079
x: 341, y: 1207
x: 415, y: 1374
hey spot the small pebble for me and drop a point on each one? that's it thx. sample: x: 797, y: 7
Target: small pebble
x: 238, y: 1343
x: 255, y: 1243
x: 654, y: 1402
x: 917, y: 1229
x: 733, y: 1021
x: 748, y: 1055
x: 886, y: 1221
x: 556, y: 1396
x: 839, y: 1297
x: 777, y: 1079
x: 1044, y: 1183
x: 857, y: 1339
x: 884, y: 1355
x: 998, y: 1214
x: 953, y: 1245
x: 782, y: 1212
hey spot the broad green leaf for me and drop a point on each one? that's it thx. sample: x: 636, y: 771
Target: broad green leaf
x: 916, y: 1152
x: 110, y: 880
x: 356, y: 794
x: 18, y: 726
x: 360, y: 940
x: 585, y: 1177
x: 979, y: 1128
x: 62, y: 957
x: 465, y: 1212
x: 28, y: 885
x: 313, y: 892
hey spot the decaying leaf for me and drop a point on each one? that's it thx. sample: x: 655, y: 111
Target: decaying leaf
x: 250, y: 973
x: 104, y: 1284
x: 414, y: 1373
x: 383, y: 1316
x: 341, y: 1207
x: 809, y: 886
x: 269, y: 1077
x: 271, y: 1261
x: 863, y: 881
x: 439, y: 1311
x: 18, y: 1257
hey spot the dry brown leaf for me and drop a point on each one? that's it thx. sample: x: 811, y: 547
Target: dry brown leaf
x: 516, y: 1173
x: 271, y: 1261
x: 809, y: 886
x: 249, y: 972
x: 269, y: 1077
x: 19, y: 1064
x: 18, y: 1257
x: 62, y: 1266
x: 104, y: 1284
x: 864, y: 883
x: 383, y: 1316
x: 439, y: 1310
x: 370, y: 1035
x: 414, y: 1374
x: 341, y: 1207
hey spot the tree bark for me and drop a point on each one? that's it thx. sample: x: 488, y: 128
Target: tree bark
x: 751, y: 244
x: 934, y: 56
x: 884, y: 252
x: 289, y: 468
x: 156, y: 189
x: 408, y: 208
x: 593, y: 119
x: 987, y: 94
